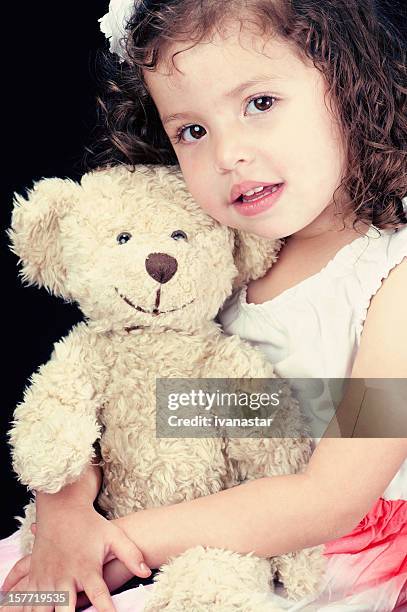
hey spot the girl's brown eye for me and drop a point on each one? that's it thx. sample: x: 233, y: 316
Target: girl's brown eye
x: 196, y: 131
x: 123, y: 237
x: 179, y: 235
x: 265, y: 103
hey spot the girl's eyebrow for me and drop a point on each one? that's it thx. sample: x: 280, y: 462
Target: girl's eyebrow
x: 256, y: 80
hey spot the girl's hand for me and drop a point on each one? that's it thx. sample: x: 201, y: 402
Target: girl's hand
x: 68, y: 555
x: 115, y: 573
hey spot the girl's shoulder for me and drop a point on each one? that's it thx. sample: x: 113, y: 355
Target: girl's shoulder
x: 382, y: 350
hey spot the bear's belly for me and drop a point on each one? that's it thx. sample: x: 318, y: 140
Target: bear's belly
x: 142, y: 471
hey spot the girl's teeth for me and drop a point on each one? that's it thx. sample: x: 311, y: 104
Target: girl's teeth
x: 251, y: 192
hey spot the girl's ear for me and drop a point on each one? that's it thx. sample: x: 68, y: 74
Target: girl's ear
x: 253, y: 256
x: 35, y: 234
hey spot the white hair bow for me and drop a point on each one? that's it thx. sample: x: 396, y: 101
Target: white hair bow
x: 114, y: 22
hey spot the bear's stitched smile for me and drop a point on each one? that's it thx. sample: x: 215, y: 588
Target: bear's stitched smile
x: 155, y: 312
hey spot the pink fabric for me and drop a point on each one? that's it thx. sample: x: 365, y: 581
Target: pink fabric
x: 375, y: 552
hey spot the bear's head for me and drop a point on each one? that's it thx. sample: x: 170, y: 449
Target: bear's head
x: 133, y: 248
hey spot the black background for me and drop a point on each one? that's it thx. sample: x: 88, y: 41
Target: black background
x: 48, y: 113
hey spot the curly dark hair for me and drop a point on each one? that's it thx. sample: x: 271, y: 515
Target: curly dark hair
x: 354, y: 43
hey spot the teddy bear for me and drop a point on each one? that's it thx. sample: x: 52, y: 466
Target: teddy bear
x: 149, y: 270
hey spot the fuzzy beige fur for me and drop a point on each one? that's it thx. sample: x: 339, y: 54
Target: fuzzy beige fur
x: 100, y: 381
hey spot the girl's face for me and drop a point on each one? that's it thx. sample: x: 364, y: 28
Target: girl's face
x: 237, y: 113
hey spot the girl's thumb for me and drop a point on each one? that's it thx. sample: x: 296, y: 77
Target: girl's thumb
x: 127, y: 552
x: 33, y: 528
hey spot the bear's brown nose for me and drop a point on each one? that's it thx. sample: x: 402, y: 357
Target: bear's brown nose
x: 161, y: 267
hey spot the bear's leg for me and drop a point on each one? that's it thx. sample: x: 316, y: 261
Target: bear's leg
x: 210, y: 580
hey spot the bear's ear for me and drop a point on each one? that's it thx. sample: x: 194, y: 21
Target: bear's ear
x: 35, y: 232
x: 253, y: 256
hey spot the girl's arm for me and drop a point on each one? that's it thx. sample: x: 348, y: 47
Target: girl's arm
x: 276, y: 515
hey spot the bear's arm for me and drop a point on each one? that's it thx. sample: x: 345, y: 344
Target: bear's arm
x: 55, y: 426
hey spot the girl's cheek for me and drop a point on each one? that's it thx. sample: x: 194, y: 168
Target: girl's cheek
x: 193, y: 172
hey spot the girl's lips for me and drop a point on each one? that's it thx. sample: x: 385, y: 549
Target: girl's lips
x: 249, y: 209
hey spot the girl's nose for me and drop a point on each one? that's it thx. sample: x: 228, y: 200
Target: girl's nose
x: 231, y: 151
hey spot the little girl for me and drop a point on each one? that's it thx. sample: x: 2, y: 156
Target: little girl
x: 288, y: 120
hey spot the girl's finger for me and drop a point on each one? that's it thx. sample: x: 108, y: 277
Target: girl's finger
x: 127, y: 552
x: 95, y: 588
x: 17, y: 572
x: 33, y: 528
x: 70, y: 588
x: 115, y: 574
x: 22, y: 585
x: 39, y: 605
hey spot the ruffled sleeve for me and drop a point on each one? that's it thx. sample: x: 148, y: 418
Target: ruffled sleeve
x: 382, y: 255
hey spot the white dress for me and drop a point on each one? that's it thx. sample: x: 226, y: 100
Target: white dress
x: 313, y: 330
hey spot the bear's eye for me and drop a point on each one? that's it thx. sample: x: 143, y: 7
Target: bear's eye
x: 123, y: 237
x: 179, y: 235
